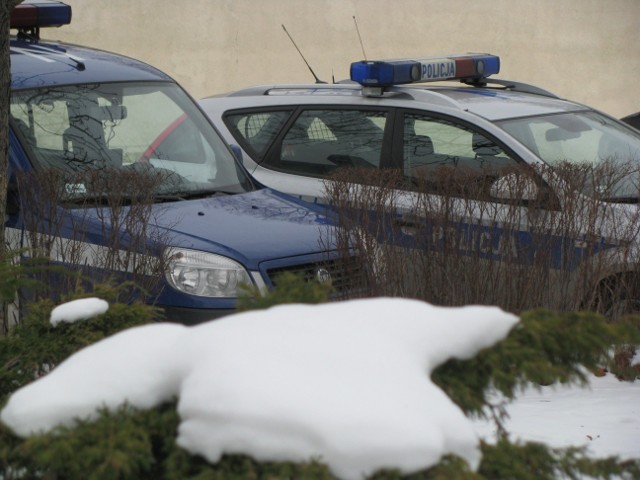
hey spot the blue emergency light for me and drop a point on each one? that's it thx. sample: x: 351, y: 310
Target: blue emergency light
x: 471, y: 67
x: 34, y: 14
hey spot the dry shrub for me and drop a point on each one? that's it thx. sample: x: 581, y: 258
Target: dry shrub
x: 90, y: 227
x: 518, y: 238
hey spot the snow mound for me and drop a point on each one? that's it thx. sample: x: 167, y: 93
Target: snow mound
x: 76, y: 310
x: 347, y: 383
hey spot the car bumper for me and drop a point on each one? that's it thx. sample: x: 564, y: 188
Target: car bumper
x: 194, y: 316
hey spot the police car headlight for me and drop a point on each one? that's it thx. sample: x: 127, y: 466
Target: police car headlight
x: 205, y: 274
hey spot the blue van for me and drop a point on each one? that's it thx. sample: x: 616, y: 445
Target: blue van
x: 114, y: 168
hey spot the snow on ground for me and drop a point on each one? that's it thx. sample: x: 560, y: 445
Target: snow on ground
x: 604, y: 417
x: 347, y: 383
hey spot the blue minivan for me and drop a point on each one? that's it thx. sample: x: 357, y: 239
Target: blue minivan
x: 114, y: 168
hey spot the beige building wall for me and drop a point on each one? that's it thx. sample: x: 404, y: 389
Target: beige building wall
x: 586, y: 50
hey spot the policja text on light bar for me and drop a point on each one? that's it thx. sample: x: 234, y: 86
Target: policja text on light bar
x: 427, y: 69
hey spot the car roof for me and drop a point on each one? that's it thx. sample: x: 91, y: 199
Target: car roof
x: 488, y: 102
x: 496, y: 104
x: 37, y: 63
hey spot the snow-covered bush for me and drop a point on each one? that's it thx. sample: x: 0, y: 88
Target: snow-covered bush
x: 139, y: 443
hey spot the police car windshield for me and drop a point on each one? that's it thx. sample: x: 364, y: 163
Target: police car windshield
x: 584, y: 139
x: 150, y: 129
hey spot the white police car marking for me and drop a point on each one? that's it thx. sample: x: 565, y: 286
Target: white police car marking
x: 79, y: 253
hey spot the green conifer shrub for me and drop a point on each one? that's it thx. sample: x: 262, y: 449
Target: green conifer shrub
x: 291, y: 288
x: 140, y: 444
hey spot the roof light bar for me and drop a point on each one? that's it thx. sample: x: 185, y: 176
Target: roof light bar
x: 427, y: 69
x: 40, y: 13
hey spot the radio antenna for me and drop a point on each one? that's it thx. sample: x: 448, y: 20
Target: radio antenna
x: 304, y: 59
x: 359, y: 37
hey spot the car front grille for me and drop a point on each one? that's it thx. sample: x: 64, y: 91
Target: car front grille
x: 347, y: 277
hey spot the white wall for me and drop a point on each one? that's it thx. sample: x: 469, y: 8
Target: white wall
x: 586, y: 50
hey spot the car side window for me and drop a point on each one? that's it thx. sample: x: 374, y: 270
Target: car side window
x: 450, y: 157
x: 256, y: 130
x: 321, y: 141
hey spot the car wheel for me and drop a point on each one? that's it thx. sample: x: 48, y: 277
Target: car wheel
x: 618, y: 296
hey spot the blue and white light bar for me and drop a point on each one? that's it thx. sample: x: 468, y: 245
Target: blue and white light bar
x: 40, y: 13
x: 473, y: 66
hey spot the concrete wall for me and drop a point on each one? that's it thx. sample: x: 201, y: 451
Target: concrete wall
x: 586, y: 50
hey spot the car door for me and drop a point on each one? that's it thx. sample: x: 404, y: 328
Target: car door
x: 473, y: 199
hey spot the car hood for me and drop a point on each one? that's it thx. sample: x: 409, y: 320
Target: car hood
x: 250, y: 227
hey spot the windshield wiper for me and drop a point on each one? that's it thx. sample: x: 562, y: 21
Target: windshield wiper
x: 190, y: 195
x: 629, y: 199
x: 100, y: 199
x: 168, y: 197
x: 208, y: 193
x: 103, y: 199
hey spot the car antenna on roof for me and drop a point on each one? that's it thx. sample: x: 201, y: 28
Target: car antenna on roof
x: 304, y: 59
x: 364, y: 55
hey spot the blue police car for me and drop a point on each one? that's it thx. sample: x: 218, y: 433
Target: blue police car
x: 114, y: 169
x: 508, y: 165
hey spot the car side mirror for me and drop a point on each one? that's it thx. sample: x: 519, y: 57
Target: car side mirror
x: 514, y: 186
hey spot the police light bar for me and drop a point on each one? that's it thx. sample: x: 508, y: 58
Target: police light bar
x: 427, y: 69
x: 33, y: 14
